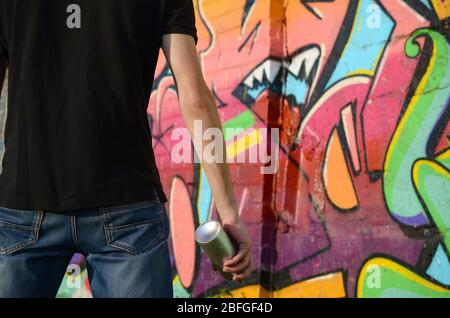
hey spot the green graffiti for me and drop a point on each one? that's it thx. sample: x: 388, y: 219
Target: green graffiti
x: 415, y: 129
x: 178, y: 289
x: 384, y: 278
x: 444, y: 159
x: 243, y: 121
x: 432, y: 182
x: 73, y: 286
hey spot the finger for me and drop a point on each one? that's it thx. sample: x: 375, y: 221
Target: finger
x: 251, y: 263
x: 239, y: 267
x: 249, y: 267
x: 241, y: 254
x: 246, y: 273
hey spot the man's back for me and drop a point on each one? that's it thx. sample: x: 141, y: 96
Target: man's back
x: 77, y: 140
x: 80, y: 77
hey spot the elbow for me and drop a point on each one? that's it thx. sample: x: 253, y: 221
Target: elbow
x: 198, y: 102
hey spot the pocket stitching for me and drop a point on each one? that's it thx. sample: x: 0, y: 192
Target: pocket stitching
x: 106, y: 212
x: 18, y: 226
x: 30, y: 242
x: 121, y: 227
x: 126, y: 247
x: 136, y: 251
x: 103, y: 216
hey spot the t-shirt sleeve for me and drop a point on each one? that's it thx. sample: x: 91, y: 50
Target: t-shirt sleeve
x: 3, y: 48
x: 179, y: 17
x: 2, y: 43
x: 3, y: 54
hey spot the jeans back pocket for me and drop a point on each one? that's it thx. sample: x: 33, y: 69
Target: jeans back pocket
x: 18, y: 229
x: 135, y: 228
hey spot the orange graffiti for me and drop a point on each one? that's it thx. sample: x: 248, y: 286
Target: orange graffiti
x: 338, y: 183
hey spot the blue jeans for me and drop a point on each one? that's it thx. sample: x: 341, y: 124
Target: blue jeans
x: 126, y: 249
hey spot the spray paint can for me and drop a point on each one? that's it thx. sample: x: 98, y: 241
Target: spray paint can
x: 217, y: 245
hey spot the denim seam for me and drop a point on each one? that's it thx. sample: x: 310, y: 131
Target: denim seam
x: 17, y: 226
x: 133, y: 250
x: 123, y: 246
x: 37, y: 222
x: 18, y: 246
x: 74, y: 232
x: 103, y: 217
x: 121, y: 227
x: 151, y: 245
x: 160, y: 242
x: 108, y: 238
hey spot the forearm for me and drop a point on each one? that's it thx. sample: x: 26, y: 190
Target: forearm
x: 204, y: 110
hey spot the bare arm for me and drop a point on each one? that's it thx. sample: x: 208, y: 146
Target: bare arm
x: 197, y: 103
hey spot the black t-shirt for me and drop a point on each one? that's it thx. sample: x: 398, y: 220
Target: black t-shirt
x: 80, y: 78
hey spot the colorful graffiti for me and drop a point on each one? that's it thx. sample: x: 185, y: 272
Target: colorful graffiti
x: 360, y: 90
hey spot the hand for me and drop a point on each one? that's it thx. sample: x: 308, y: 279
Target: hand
x: 240, y: 265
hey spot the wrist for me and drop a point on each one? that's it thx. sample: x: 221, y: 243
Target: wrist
x: 229, y: 213
x: 234, y: 219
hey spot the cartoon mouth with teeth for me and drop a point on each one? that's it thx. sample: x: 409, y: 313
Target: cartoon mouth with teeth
x: 291, y: 78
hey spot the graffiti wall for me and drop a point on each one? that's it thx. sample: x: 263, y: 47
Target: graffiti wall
x: 360, y: 204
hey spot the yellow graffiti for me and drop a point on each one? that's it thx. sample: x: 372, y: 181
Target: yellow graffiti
x: 442, y: 8
x: 326, y: 286
x: 243, y: 143
x: 397, y: 281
